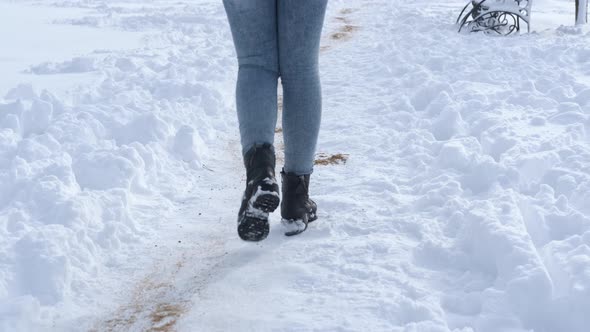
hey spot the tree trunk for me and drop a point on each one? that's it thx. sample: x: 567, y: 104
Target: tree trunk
x: 581, y: 11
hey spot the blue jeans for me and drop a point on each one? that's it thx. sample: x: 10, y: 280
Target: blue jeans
x: 279, y: 38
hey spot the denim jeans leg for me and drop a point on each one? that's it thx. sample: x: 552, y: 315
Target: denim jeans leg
x: 253, y: 25
x: 300, y: 25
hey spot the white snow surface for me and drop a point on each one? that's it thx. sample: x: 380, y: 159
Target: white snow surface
x: 462, y: 205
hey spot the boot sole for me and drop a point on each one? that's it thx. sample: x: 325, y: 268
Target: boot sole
x: 253, y: 229
x: 266, y: 202
x: 253, y: 225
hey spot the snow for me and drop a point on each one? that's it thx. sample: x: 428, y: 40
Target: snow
x: 31, y: 38
x: 459, y: 204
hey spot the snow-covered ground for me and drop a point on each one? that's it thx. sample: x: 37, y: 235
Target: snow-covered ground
x: 453, y: 174
x: 32, y: 44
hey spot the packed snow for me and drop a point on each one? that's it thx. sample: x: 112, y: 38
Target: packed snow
x: 452, y: 176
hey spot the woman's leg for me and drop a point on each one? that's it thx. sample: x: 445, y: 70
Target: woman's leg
x: 254, y: 29
x: 300, y: 26
x: 299, y: 30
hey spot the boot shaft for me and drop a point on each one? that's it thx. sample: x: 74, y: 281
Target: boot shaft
x: 295, y: 203
x: 260, y: 162
x: 295, y: 186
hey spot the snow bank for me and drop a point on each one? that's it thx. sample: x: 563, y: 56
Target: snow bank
x: 73, y: 172
x: 30, y: 39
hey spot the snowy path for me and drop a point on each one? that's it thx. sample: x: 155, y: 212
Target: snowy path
x: 454, y: 195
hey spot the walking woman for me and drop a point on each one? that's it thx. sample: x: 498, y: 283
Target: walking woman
x: 277, y: 39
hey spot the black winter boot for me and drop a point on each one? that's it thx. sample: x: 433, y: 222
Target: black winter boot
x: 261, y: 195
x: 297, y: 209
